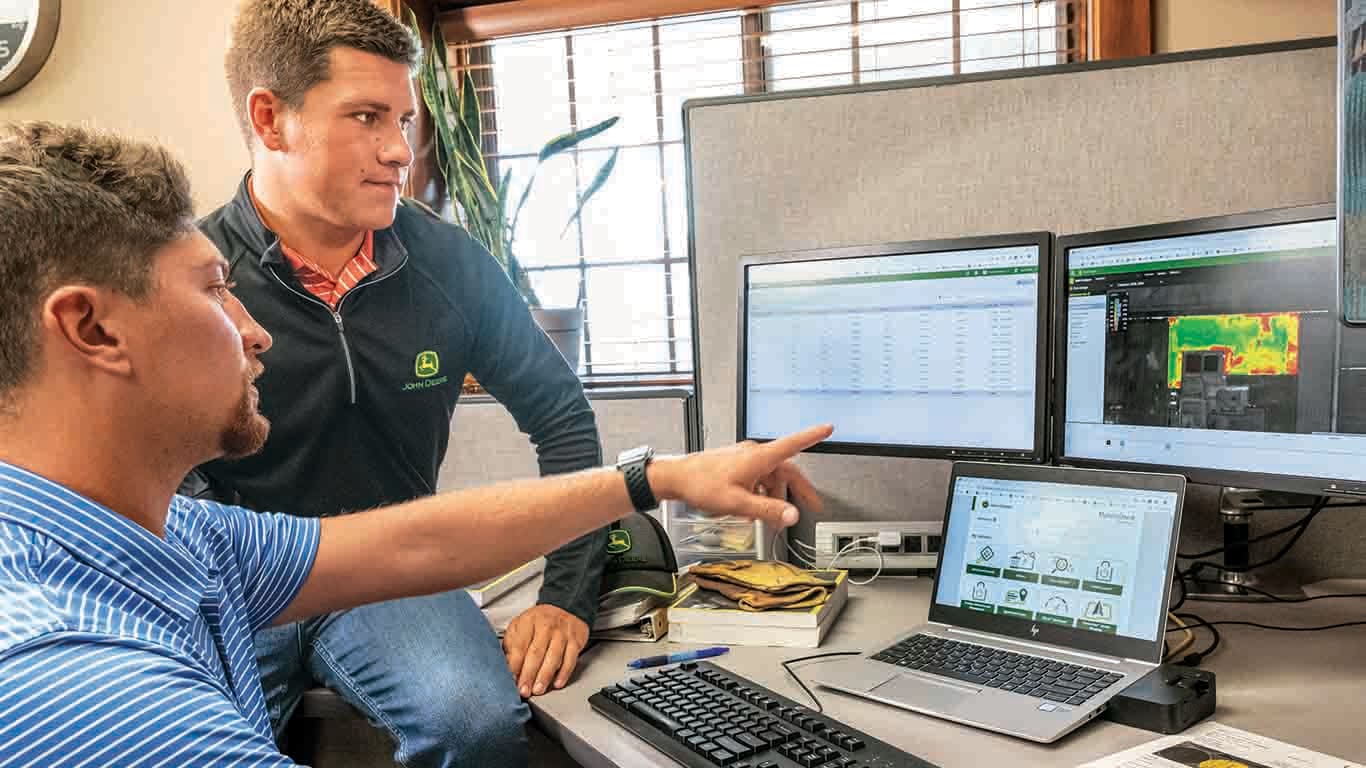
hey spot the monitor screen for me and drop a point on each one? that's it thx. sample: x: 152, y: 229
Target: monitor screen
x: 914, y: 349
x: 1352, y: 156
x: 1088, y: 557
x: 1214, y: 348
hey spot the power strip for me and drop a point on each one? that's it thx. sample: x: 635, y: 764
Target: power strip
x: 905, y: 545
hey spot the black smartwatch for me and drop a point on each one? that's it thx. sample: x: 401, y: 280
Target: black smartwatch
x: 632, y: 465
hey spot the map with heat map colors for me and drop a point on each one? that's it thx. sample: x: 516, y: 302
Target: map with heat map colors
x: 1257, y: 344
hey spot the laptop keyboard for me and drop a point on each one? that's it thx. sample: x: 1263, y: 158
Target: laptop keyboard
x: 993, y: 668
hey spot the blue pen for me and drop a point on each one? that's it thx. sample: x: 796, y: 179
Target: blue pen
x: 674, y: 658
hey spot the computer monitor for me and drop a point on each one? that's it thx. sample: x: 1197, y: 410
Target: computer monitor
x: 930, y: 349
x: 1213, y: 348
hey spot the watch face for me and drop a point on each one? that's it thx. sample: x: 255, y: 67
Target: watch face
x: 28, y: 30
x: 17, y: 19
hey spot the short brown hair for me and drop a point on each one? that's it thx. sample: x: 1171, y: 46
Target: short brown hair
x: 284, y: 45
x: 78, y: 206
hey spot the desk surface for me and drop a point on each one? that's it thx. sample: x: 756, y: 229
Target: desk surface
x: 1304, y: 688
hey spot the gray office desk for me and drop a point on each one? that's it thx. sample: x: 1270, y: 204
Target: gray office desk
x: 1304, y: 688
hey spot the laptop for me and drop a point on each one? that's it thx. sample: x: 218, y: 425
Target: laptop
x: 1050, y: 597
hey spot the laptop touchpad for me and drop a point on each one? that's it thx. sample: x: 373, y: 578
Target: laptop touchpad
x: 929, y: 693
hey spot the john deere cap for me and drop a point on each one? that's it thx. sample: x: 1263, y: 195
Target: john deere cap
x: 639, y: 558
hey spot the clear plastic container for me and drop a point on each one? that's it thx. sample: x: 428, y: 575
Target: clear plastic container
x: 701, y: 537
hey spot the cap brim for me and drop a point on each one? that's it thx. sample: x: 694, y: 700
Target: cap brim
x: 652, y: 582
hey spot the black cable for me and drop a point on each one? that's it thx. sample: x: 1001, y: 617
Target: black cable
x: 1304, y: 526
x: 1301, y: 522
x: 811, y: 695
x: 1279, y: 599
x: 1268, y: 626
x: 1181, y: 580
x: 1284, y: 507
x: 1194, y: 658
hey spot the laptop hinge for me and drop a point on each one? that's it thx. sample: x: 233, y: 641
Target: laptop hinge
x: 1036, y: 648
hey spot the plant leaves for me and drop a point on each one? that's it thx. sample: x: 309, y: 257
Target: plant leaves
x: 572, y: 139
x: 598, y: 180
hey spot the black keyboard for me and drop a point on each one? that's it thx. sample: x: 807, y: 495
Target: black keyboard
x: 701, y: 715
x: 994, y: 668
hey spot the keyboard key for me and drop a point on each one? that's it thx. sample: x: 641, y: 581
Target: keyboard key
x: 856, y: 744
x: 721, y: 757
x: 769, y: 737
x: 956, y: 674
x: 731, y: 745
x: 753, y: 741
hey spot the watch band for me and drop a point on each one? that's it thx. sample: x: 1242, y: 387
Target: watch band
x: 637, y: 483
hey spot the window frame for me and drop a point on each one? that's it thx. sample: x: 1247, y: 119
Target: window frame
x: 471, y: 30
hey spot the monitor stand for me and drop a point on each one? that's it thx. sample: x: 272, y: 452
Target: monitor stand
x: 1236, y: 506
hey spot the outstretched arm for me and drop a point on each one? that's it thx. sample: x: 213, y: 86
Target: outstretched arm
x: 455, y: 539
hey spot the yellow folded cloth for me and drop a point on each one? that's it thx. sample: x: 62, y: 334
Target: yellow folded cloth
x: 758, y: 585
x: 764, y: 575
x: 754, y: 600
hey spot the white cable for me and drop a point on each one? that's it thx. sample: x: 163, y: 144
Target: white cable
x: 773, y: 545
x: 855, y: 546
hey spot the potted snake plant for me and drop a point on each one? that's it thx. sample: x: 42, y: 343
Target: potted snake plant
x: 480, y: 202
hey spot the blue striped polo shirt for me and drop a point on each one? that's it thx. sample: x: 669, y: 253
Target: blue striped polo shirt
x: 119, y: 648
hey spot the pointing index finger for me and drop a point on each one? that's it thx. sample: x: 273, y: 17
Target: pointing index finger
x: 786, y: 447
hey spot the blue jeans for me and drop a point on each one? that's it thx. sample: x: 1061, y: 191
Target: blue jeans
x: 429, y: 670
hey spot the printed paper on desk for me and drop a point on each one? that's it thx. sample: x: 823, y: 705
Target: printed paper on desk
x: 1211, y: 744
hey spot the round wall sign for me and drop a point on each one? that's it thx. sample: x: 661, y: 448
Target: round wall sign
x: 28, y: 28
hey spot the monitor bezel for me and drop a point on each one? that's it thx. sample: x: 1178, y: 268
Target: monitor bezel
x: 1041, y: 240
x: 1200, y: 226
x: 1072, y: 638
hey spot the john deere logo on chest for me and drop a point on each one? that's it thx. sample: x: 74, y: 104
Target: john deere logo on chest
x: 426, y: 367
x: 618, y: 541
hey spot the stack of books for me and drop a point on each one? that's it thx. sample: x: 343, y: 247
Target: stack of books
x: 632, y: 616
x: 702, y: 616
x: 485, y: 592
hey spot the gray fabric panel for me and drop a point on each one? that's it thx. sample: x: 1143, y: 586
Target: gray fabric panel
x: 486, y: 446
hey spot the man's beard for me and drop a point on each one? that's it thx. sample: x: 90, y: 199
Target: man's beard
x: 247, y: 432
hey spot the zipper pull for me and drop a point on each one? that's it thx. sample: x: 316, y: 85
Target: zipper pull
x: 336, y: 317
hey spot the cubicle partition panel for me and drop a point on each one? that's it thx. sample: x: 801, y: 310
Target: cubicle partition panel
x: 1065, y: 149
x: 487, y: 447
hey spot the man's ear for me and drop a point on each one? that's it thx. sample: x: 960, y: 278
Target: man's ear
x: 266, y: 112
x: 78, y: 318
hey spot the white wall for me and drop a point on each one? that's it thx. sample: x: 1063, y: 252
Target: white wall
x: 1184, y: 25
x: 149, y: 68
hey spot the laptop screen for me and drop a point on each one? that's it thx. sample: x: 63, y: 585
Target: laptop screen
x: 1086, y: 557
